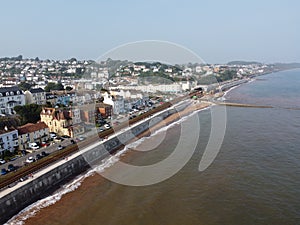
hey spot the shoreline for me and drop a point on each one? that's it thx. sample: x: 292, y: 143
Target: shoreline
x: 26, y: 215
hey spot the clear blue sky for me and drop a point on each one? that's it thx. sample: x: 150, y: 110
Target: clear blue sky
x: 218, y: 31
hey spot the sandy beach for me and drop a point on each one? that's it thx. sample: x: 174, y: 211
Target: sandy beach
x: 47, y: 215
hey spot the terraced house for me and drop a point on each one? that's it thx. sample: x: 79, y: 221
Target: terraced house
x: 8, y: 139
x: 9, y: 98
x: 30, y: 133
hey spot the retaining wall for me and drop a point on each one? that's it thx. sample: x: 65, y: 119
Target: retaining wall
x: 46, y: 184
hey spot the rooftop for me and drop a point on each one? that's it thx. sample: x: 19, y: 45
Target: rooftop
x: 31, y: 127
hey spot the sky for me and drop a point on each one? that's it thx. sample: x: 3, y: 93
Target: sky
x: 217, y: 31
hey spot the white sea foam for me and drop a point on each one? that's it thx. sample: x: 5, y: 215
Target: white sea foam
x: 32, y: 209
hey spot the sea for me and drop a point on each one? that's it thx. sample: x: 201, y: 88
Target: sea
x: 253, y: 178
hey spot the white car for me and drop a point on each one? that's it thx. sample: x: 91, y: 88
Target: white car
x: 52, y: 135
x: 106, y: 126
x: 33, y: 146
x: 80, y: 138
x: 2, y: 161
x: 60, y: 147
x: 30, y: 159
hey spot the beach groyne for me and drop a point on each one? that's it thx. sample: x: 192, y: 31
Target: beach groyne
x: 39, y: 187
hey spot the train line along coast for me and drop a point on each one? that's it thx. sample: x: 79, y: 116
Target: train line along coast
x: 43, y: 180
x: 118, y: 116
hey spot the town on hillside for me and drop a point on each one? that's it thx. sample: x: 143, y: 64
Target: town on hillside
x: 45, y: 101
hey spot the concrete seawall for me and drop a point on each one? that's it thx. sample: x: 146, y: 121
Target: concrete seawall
x: 44, y: 185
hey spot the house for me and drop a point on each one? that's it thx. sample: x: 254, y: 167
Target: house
x: 117, y: 103
x: 60, y: 121
x: 35, y: 96
x: 76, y: 115
x: 9, y: 98
x: 104, y: 109
x: 30, y: 133
x: 8, y: 139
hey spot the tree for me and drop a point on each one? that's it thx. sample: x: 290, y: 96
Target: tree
x: 25, y: 86
x: 68, y: 88
x: 29, y: 113
x: 53, y: 86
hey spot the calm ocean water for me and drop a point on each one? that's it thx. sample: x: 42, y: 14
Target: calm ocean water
x: 255, y: 178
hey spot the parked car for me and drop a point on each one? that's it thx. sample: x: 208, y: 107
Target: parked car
x: 33, y: 146
x: 38, y: 156
x: 2, y: 161
x: 30, y: 160
x: 11, y: 167
x: 44, y: 144
x: 3, y: 171
x: 43, y: 154
x: 52, y: 135
x: 106, y: 126
x: 73, y: 142
x: 80, y: 138
x: 58, y: 139
x: 60, y: 147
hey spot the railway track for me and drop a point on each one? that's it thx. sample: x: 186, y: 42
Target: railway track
x: 32, y: 168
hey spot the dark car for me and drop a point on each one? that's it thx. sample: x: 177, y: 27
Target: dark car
x: 73, y: 142
x: 3, y: 171
x: 23, y: 152
x: 60, y: 147
x: 38, y: 156
x: 43, y: 154
x: 11, y: 167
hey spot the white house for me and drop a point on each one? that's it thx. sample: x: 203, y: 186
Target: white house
x: 75, y: 114
x: 9, y: 98
x: 167, y: 88
x: 117, y: 103
x: 35, y: 96
x: 8, y: 139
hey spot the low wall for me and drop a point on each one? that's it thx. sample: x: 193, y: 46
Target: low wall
x: 44, y: 185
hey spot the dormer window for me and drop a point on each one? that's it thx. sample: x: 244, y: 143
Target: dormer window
x: 18, y: 92
x: 11, y: 93
x: 7, y: 93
